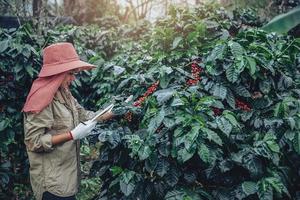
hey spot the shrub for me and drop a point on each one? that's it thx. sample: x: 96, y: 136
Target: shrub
x: 221, y: 124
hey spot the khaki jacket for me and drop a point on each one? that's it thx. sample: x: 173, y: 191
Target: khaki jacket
x: 55, y: 169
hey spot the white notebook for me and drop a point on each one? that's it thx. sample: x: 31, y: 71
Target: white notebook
x: 109, y: 108
x: 101, y: 112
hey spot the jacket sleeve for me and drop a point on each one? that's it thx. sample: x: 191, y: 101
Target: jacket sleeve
x: 36, y: 130
x: 84, y: 115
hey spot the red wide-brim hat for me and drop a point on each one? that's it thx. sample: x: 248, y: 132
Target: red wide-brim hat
x: 59, y: 58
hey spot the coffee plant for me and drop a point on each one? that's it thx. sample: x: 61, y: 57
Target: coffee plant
x: 20, y: 62
x: 215, y: 115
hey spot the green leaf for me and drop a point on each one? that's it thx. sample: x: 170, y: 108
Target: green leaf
x: 34, y: 51
x: 289, y: 135
x: 191, y: 137
x: 249, y: 187
x: 249, y: 162
x: 164, y: 95
x: 258, y: 123
x: 236, y: 49
x: 184, y: 154
x: 176, y: 41
x: 4, y: 45
x: 126, y: 183
x: 115, y: 170
x: 144, y: 152
x: 273, y: 146
x: 287, y: 81
x: 162, y: 167
x: 177, y: 102
x: 270, y: 140
x: 224, y: 125
x: 172, y: 176
x: 164, y: 77
x: 152, y: 162
x: 126, y: 188
x: 210, y: 101
x: 292, y: 123
x: 284, y: 22
x: 265, y: 86
x: 3, y: 124
x: 164, y: 148
x: 231, y: 74
x: 112, y: 137
x: 266, y: 194
x: 29, y: 70
x: 4, y: 178
x: 251, y: 66
x: 281, y: 109
x: 239, y: 65
x: 296, y: 142
x: 134, y: 141
x: 186, y: 194
x: 26, y: 51
x: 276, y: 184
x: 219, y: 91
x: 242, y: 91
x: 230, y: 116
x: 179, y: 131
x: 230, y: 99
x: 204, y: 153
x: 212, y: 136
x: 217, y: 52
x: 192, y: 36
x: 124, y: 83
x: 156, y: 121
x: 277, y: 109
x: 169, y: 122
x: 245, y: 116
x: 214, y: 103
x: 174, y: 195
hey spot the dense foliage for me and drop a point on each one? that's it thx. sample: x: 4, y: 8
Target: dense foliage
x: 214, y: 115
x: 219, y: 119
x: 19, y: 63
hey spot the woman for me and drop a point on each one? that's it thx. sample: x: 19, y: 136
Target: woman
x: 52, y: 125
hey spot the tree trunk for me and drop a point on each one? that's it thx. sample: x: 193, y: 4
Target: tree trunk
x: 37, y: 7
x: 69, y: 7
x: 166, y: 7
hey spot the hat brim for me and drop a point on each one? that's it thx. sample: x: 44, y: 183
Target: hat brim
x: 60, y: 68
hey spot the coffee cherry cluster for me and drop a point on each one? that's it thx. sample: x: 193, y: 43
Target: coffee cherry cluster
x: 217, y: 111
x: 149, y: 91
x: 138, y: 103
x: 242, y: 105
x: 196, y: 70
x: 10, y: 78
x: 128, y: 116
x: 159, y: 128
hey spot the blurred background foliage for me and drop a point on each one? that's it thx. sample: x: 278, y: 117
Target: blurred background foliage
x: 136, y: 35
x: 129, y: 11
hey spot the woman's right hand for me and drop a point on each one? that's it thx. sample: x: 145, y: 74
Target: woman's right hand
x: 106, y: 116
x: 83, y: 129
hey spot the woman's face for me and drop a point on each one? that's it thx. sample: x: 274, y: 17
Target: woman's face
x: 69, y: 78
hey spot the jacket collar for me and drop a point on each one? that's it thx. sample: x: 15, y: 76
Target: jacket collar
x: 58, y: 97
x: 61, y: 97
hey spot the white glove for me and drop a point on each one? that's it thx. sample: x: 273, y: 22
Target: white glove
x: 83, y: 130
